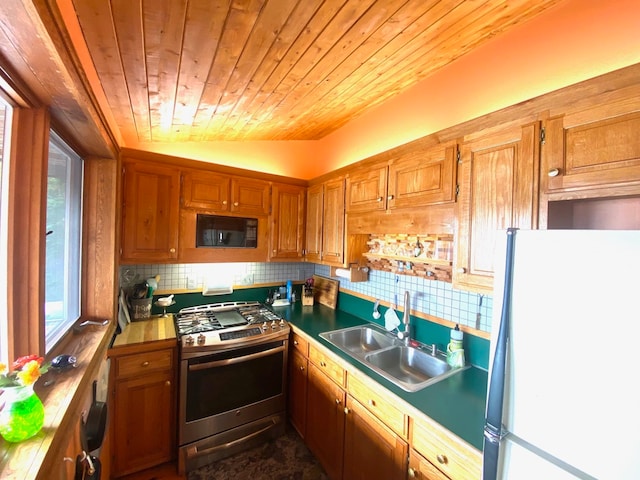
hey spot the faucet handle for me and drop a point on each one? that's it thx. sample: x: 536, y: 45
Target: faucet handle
x: 434, y: 349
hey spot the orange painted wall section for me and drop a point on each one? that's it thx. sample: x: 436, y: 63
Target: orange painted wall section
x: 574, y: 41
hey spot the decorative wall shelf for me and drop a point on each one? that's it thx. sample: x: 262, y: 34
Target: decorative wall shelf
x: 428, y: 256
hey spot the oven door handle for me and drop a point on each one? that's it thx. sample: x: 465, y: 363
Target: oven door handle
x: 231, y: 361
x: 193, y: 451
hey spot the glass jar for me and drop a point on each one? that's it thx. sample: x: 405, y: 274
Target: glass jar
x: 22, y: 415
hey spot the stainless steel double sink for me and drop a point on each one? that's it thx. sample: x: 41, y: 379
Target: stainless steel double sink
x: 410, y: 368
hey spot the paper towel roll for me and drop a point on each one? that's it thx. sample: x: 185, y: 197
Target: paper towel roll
x: 343, y: 273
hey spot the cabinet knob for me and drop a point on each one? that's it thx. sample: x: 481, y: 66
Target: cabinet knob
x: 224, y: 202
x: 172, y: 250
x: 346, y: 411
x: 553, y: 172
x: 145, y: 364
x: 390, y: 197
x: 167, y: 383
x: 301, y: 368
x: 442, y: 458
x: 412, y: 473
x: 295, y: 342
x: 461, y: 270
x: 323, y: 364
x: 235, y: 204
x: 372, y: 403
x: 379, y: 199
x: 338, y: 401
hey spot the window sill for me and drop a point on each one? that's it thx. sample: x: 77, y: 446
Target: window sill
x: 42, y: 455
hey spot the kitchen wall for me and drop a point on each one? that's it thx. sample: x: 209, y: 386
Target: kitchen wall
x: 431, y: 297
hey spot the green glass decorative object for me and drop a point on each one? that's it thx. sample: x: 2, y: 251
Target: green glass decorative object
x: 22, y: 415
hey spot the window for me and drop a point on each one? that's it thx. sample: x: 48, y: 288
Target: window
x: 63, y: 238
x: 5, y: 129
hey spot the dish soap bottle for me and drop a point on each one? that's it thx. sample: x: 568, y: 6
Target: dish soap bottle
x: 455, y: 352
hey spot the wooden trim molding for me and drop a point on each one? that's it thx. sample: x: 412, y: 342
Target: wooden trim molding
x: 27, y: 221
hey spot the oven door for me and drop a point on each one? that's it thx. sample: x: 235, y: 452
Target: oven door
x: 224, y: 390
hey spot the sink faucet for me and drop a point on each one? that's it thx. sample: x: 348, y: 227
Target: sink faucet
x: 406, y: 320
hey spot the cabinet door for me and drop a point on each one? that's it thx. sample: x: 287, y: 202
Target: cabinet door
x: 588, y: 150
x: 367, y: 190
x: 150, y: 210
x: 423, y: 177
x: 325, y: 421
x: 250, y: 197
x: 371, y: 449
x: 498, y: 190
x: 287, y: 222
x: 313, y: 231
x: 144, y: 419
x: 333, y: 222
x: 298, y: 365
x: 206, y: 190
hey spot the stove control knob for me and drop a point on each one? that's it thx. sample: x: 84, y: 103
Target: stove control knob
x: 201, y: 339
x: 265, y: 326
x: 188, y: 340
x: 281, y: 323
x: 273, y: 324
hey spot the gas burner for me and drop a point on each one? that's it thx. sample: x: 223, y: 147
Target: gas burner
x: 221, y: 316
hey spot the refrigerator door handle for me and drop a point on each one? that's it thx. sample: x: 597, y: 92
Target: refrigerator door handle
x: 495, y: 398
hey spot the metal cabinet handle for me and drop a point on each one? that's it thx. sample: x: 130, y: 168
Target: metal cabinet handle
x: 295, y: 342
x: 338, y: 401
x: 379, y: 199
x: 323, y: 364
x: 346, y: 411
x: 442, y: 458
x: 390, y: 197
x: 413, y: 473
x: 372, y: 403
x: 461, y: 270
x: 553, y: 172
x: 301, y: 368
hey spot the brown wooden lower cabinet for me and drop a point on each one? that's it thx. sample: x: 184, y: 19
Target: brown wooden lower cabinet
x: 420, y: 468
x: 297, y: 401
x: 371, y: 449
x: 325, y: 421
x: 144, y: 413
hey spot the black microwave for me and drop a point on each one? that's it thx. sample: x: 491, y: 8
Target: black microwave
x: 226, y: 232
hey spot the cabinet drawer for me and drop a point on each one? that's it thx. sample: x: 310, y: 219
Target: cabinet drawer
x: 421, y: 469
x: 446, y: 451
x: 140, y: 363
x: 379, y: 404
x: 300, y: 344
x: 327, y: 365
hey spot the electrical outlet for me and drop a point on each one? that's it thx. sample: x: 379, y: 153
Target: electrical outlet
x: 191, y: 283
x: 246, y: 279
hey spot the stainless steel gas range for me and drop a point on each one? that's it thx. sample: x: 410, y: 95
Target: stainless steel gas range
x: 233, y: 367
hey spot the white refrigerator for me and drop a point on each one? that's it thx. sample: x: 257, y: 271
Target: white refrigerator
x: 571, y: 393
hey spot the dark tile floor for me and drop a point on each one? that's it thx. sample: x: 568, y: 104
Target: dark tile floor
x: 283, y: 458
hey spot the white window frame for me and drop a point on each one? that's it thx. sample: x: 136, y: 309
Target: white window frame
x: 72, y: 265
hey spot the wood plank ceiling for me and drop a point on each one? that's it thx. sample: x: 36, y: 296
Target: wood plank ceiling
x: 205, y: 70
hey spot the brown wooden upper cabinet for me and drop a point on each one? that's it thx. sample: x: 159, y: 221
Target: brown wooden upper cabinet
x: 222, y: 193
x: 150, y: 212
x: 498, y: 189
x: 325, y: 222
x: 590, y: 149
x: 414, y: 177
x: 287, y: 222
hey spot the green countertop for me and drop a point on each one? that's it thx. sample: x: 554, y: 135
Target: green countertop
x: 457, y: 403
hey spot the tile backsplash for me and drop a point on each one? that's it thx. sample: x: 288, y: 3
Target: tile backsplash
x: 431, y: 297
